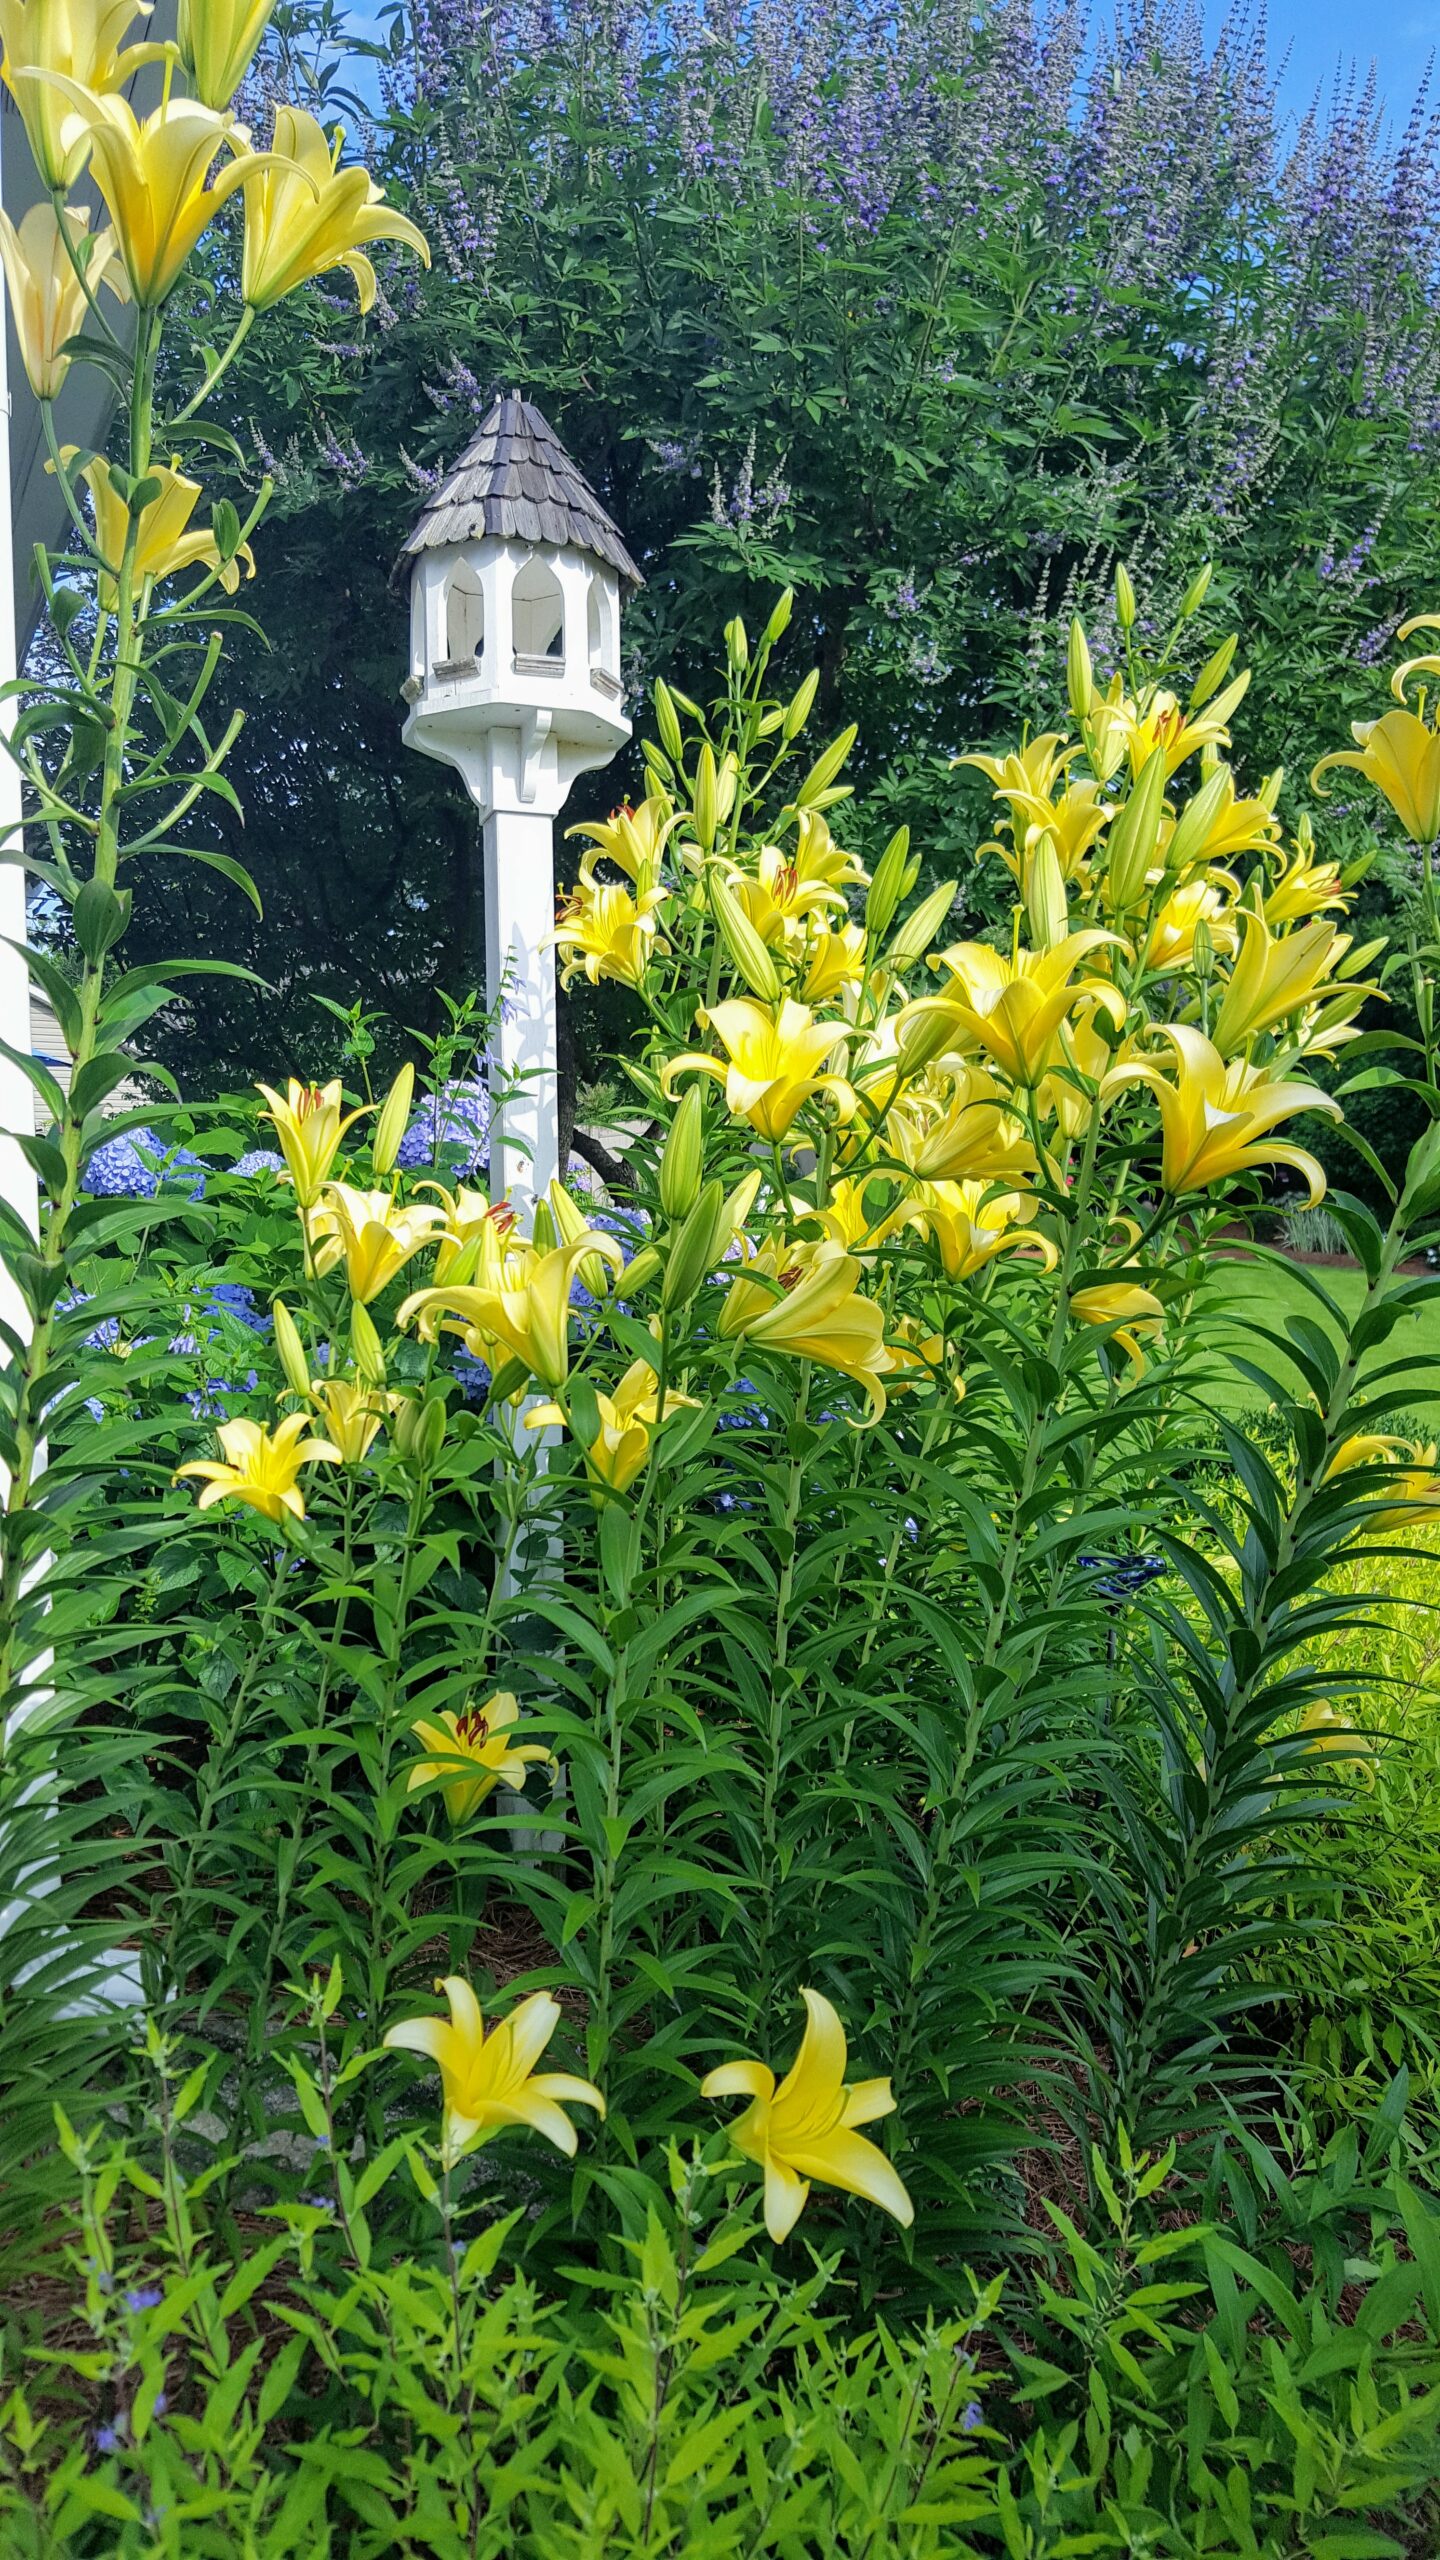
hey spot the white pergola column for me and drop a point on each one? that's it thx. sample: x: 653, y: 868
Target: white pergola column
x: 520, y: 992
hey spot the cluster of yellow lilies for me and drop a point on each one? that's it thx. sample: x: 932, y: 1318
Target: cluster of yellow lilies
x: 799, y: 2131
x: 1139, y: 963
x: 942, y: 1119
x: 67, y: 66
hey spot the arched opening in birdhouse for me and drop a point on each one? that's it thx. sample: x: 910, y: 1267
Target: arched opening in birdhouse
x: 538, y: 612
x: 599, y: 623
x: 464, y: 615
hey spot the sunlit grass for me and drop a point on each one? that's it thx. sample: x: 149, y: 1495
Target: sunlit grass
x: 1239, y: 1293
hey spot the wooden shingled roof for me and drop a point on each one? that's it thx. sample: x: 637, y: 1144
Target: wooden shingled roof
x: 516, y: 480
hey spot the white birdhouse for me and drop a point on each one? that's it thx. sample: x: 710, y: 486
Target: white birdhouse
x: 516, y: 577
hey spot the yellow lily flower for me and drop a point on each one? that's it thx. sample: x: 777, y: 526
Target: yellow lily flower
x: 370, y: 1233
x: 819, y: 1316
x: 1027, y: 773
x: 804, y: 2130
x: 47, y: 299
x: 1401, y: 756
x: 834, y: 964
x: 1237, y: 826
x: 350, y: 1415
x: 219, y: 40
x: 1303, y: 886
x: 164, y: 543
x: 1123, y: 1307
x: 1410, y: 1498
x: 606, y: 933
x: 617, y: 1454
x: 261, y: 1468
x: 490, y: 2081
x: 474, y: 1754
x: 152, y: 176
x: 633, y: 839
x: 526, y: 1313
x: 955, y: 1127
x: 779, y: 897
x: 1333, y: 1737
x: 81, y: 40
x: 1162, y: 723
x: 1170, y: 943
x: 1276, y: 977
x: 844, y: 1220
x: 1364, y: 1449
x: 919, y: 1360
x: 304, y: 215
x: 475, y: 1238
x: 776, y: 1063
x: 820, y: 861
x: 1074, y: 822
x: 310, y: 1123
x: 1081, y: 1049
x: 1010, y: 1008
x: 971, y: 1224
x: 1216, y: 1117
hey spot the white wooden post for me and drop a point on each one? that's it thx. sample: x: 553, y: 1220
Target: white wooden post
x: 520, y: 995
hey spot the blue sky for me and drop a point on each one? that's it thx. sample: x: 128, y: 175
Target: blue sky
x: 1399, y: 35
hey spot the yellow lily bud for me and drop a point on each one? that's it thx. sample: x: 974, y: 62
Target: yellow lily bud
x: 920, y: 928
x: 682, y: 1162
x: 394, y: 1113
x: 218, y: 41
x: 291, y: 1350
x: 366, y: 1346
x: 743, y: 944
x: 1134, y: 838
x: 1213, y: 673
x: 1079, y: 672
x: 1046, y: 904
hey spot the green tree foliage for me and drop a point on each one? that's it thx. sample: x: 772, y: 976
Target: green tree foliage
x: 931, y: 319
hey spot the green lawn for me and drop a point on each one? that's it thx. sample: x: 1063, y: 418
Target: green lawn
x: 1268, y: 1293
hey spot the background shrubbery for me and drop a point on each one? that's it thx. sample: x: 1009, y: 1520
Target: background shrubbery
x: 932, y: 315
